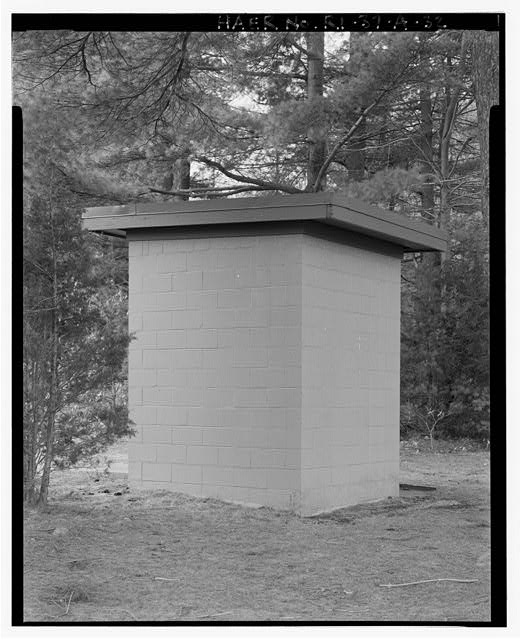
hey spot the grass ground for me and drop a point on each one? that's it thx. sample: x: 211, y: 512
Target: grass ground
x: 100, y: 552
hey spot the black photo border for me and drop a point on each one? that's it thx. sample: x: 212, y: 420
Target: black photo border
x: 289, y: 22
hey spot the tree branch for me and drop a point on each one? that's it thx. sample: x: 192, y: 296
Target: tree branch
x: 341, y: 142
x: 210, y: 191
x: 289, y: 39
x: 37, y: 266
x: 265, y: 184
x: 351, y: 131
x: 462, y: 149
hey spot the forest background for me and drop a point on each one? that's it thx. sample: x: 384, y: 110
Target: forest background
x: 399, y: 120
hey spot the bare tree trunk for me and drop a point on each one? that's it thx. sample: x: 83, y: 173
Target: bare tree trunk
x: 427, y: 153
x: 484, y: 68
x: 316, y: 132
x: 429, y: 269
x: 355, y: 162
x: 53, y: 382
x: 181, y: 175
x: 447, y: 126
x: 168, y: 181
x: 30, y: 469
x: 356, y: 157
x: 277, y: 165
x: 30, y: 422
x: 430, y: 261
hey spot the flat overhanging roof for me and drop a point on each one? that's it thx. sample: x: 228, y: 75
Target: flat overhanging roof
x: 327, y: 208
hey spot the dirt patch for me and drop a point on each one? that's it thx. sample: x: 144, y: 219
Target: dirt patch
x: 158, y: 556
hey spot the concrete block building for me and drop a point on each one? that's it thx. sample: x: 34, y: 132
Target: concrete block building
x: 265, y: 364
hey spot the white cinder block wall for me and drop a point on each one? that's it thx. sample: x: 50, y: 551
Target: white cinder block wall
x: 350, y: 373
x: 265, y: 368
x: 215, y: 369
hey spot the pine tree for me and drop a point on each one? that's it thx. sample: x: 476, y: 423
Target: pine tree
x: 74, y: 320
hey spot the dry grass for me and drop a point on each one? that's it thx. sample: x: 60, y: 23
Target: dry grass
x: 97, y: 556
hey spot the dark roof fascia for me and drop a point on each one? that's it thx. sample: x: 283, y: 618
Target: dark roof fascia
x: 326, y: 208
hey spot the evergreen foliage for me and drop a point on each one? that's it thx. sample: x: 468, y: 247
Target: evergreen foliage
x: 74, y: 318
